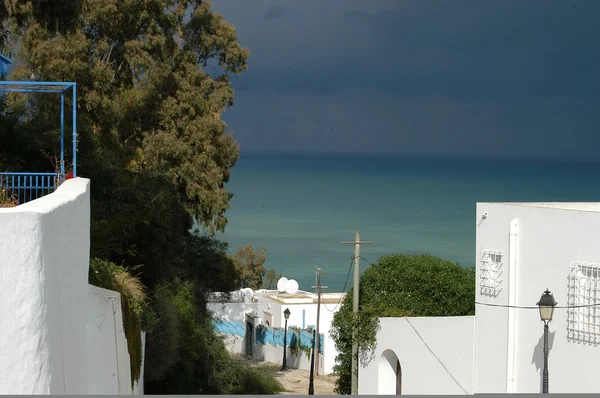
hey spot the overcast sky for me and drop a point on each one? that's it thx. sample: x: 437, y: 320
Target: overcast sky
x: 419, y: 77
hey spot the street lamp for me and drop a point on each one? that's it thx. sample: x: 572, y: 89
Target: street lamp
x: 546, y: 305
x: 311, y: 383
x: 286, y: 315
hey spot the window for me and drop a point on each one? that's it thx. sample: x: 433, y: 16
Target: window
x: 490, y: 271
x: 583, y: 300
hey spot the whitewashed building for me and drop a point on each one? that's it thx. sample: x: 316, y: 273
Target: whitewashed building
x: 240, y: 316
x: 521, y: 249
x: 59, y: 334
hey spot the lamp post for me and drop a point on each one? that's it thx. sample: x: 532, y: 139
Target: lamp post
x: 286, y: 315
x: 311, y: 383
x: 546, y: 305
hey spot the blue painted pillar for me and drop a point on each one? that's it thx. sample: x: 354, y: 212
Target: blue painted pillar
x: 74, y: 130
x: 62, y: 135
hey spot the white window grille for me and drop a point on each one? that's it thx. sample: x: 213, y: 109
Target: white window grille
x: 583, y: 300
x: 490, y: 272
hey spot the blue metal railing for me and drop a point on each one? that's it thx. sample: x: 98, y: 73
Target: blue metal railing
x: 29, y: 186
x: 25, y: 187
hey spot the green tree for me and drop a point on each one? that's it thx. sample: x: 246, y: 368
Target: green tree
x: 153, y: 143
x: 396, y: 286
x: 270, y: 280
x: 142, y: 89
x: 249, y: 264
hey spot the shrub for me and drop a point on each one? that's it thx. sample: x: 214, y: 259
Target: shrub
x: 133, y: 301
x: 7, y: 199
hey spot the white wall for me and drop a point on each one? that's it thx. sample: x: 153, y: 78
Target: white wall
x: 44, y: 298
x: 273, y: 354
x: 107, y: 355
x: 435, y: 354
x: 237, y: 311
x: 231, y: 311
x: 310, y: 318
x: 44, y: 255
x: 234, y: 344
x: 138, y: 388
x: 548, y: 240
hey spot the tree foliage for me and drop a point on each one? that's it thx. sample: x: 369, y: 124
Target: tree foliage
x: 152, y: 141
x: 397, y: 286
x: 270, y: 280
x: 249, y: 264
x: 143, y: 94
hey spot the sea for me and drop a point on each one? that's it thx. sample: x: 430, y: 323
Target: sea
x: 299, y: 207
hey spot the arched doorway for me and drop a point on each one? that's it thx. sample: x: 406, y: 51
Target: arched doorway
x: 389, y: 374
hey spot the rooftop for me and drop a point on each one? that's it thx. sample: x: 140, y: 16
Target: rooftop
x: 593, y: 207
x: 300, y: 297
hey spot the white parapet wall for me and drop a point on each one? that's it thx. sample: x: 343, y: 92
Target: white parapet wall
x: 420, y: 356
x: 47, y: 343
x: 272, y: 354
x: 44, y: 255
x: 107, y: 355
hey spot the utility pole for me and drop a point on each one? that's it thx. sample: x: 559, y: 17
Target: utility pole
x: 357, y: 242
x: 319, y: 288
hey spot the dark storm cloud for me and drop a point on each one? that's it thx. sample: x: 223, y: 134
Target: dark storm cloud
x: 464, y: 48
x: 273, y: 12
x: 416, y: 76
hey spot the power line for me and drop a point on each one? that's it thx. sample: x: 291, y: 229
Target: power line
x: 517, y: 306
x: 346, y: 283
x: 435, y: 356
x: 368, y: 262
x: 344, y: 289
x: 477, y: 302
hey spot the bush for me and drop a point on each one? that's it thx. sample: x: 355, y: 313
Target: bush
x: 201, y: 363
x: 236, y: 377
x: 162, y: 338
x: 396, y: 286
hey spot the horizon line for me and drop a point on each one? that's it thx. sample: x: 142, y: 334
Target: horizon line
x: 429, y: 155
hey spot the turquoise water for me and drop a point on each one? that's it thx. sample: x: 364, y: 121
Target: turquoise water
x: 300, y: 207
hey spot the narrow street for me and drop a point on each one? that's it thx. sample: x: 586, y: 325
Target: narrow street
x: 295, y: 381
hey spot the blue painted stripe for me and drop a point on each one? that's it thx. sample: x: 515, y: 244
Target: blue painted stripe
x: 271, y: 336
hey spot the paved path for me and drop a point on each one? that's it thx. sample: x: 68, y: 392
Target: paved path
x: 296, y: 382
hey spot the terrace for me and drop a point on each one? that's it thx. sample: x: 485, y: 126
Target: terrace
x: 22, y: 187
